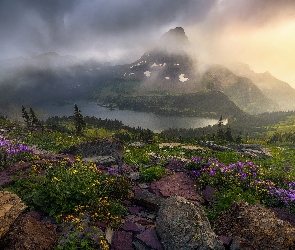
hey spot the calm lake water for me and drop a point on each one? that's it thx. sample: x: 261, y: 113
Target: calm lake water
x: 131, y: 118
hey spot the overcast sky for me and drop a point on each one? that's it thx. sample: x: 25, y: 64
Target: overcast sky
x: 258, y: 32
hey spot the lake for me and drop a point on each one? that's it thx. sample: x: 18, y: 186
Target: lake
x: 131, y: 118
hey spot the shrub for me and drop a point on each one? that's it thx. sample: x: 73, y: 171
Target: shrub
x: 79, y: 234
x: 152, y: 173
x: 78, y: 188
x: 225, y: 198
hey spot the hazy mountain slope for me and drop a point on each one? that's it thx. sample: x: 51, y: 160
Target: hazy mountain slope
x: 169, y: 68
x: 241, y: 90
x: 275, y: 89
x: 48, y: 78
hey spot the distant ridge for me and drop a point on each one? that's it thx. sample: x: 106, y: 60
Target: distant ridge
x: 273, y: 88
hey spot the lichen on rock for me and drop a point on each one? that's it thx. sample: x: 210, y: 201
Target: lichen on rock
x: 182, y: 224
x: 11, y: 206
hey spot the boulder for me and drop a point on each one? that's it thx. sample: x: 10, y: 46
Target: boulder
x: 28, y: 233
x: 257, y: 225
x: 105, y: 150
x: 11, y: 206
x: 148, y: 200
x: 182, y: 224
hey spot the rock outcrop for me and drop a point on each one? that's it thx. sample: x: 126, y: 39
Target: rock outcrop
x: 28, y: 233
x: 101, y: 151
x: 11, y: 206
x: 249, y: 150
x: 257, y: 225
x: 182, y: 224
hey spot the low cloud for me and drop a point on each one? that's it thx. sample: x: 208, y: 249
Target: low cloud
x: 256, y: 32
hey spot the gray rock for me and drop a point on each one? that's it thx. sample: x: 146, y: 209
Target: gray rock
x: 137, y: 144
x: 143, y: 185
x: 134, y: 176
x: 101, y: 147
x: 101, y: 160
x: 109, y: 235
x: 148, y: 200
x: 253, y: 150
x: 182, y: 224
x: 138, y: 245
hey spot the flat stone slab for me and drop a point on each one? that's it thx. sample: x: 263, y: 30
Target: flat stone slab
x: 177, y: 184
x: 122, y: 240
x: 130, y: 226
x: 170, y: 145
x: 11, y: 206
x: 150, y: 238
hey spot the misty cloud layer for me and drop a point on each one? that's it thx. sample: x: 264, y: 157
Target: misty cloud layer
x: 120, y: 31
x: 85, y: 27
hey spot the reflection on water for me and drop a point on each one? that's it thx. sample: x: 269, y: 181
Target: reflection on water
x: 145, y: 120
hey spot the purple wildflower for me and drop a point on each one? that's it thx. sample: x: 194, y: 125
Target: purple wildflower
x: 212, y: 172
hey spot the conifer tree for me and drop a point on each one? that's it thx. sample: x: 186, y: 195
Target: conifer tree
x: 228, y: 135
x: 30, y: 118
x: 238, y: 138
x: 33, y: 119
x: 79, y: 121
x: 220, y: 133
x: 25, y: 116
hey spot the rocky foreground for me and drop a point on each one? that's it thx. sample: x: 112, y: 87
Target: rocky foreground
x: 164, y: 214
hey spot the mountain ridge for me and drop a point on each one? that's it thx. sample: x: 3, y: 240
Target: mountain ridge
x: 174, y: 71
x: 273, y: 88
x: 167, y: 69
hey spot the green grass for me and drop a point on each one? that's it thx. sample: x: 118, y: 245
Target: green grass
x: 72, y: 191
x: 152, y: 173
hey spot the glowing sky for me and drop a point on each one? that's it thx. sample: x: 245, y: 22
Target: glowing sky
x: 260, y: 33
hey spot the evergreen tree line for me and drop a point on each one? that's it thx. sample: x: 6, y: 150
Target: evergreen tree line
x: 80, y: 123
x: 32, y: 122
x: 282, y: 137
x: 31, y: 119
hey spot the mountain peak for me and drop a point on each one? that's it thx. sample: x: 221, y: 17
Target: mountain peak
x: 178, y: 31
x: 174, y: 40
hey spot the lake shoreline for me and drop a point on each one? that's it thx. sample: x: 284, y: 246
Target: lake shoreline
x: 132, y: 118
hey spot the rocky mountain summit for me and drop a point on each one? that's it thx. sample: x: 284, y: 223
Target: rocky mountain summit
x: 170, y: 67
x: 174, y: 41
